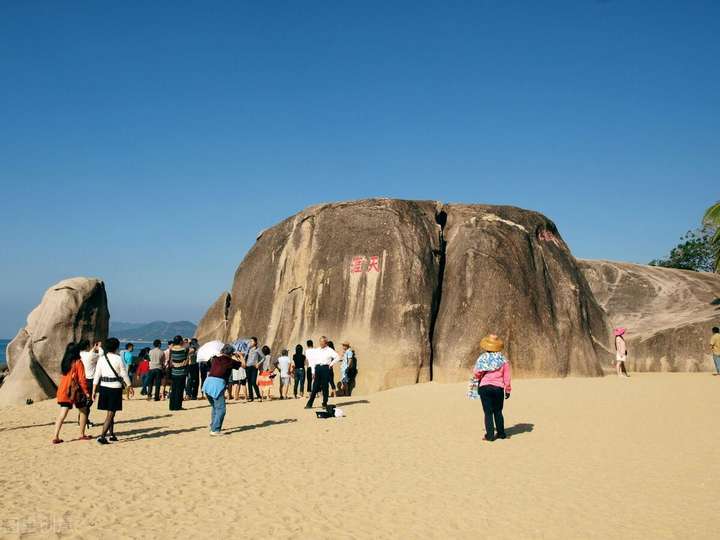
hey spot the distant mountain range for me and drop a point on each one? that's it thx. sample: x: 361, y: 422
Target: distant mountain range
x: 164, y: 330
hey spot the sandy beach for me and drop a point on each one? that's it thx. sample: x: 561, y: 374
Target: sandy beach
x: 588, y: 458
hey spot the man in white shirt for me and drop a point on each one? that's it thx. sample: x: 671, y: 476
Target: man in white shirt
x: 320, y: 361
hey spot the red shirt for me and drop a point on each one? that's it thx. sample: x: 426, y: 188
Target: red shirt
x: 144, y: 367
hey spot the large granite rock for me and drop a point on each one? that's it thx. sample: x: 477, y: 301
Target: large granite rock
x: 364, y: 271
x: 508, y: 271
x: 214, y: 323
x: 668, y: 313
x: 415, y: 284
x: 71, y: 310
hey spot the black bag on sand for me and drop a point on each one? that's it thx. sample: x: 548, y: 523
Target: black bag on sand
x: 329, y: 412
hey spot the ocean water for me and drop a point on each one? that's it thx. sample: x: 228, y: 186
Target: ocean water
x: 3, y: 347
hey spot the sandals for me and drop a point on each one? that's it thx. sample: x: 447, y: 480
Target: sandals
x: 57, y: 441
x: 85, y: 438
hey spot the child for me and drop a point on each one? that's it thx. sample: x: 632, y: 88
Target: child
x: 265, y: 380
x: 284, y: 368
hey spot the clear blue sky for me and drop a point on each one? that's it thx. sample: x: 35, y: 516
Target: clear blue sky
x: 148, y: 142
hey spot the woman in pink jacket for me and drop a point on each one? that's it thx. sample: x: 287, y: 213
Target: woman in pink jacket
x: 492, y: 373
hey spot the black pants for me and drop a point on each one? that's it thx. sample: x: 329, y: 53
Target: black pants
x: 204, y: 368
x: 299, y: 381
x: 252, y: 373
x: 176, y: 392
x: 155, y: 379
x: 309, y: 375
x: 492, y: 398
x: 321, y: 383
x: 191, y: 385
x: 332, y: 380
x: 350, y: 385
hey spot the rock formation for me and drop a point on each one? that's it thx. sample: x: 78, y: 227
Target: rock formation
x: 508, y: 271
x: 414, y: 285
x: 668, y: 313
x: 71, y: 310
x: 214, y: 323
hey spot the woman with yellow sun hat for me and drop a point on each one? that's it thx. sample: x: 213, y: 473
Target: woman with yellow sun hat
x: 492, y: 372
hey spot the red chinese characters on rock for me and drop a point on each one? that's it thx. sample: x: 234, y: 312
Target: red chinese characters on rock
x: 357, y: 266
x: 548, y: 236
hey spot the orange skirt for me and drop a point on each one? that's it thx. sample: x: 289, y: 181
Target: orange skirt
x: 264, y: 378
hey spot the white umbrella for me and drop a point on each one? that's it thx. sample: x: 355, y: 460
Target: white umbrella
x: 210, y: 349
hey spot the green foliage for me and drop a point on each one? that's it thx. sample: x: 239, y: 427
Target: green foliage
x: 694, y: 252
x: 711, y: 219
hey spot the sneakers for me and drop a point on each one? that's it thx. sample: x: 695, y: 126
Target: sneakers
x: 112, y: 438
x: 215, y: 433
x: 102, y: 440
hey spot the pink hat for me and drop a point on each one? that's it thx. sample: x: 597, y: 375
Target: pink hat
x: 619, y: 331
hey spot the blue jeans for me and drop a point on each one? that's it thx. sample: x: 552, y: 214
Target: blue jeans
x: 217, y: 414
x: 716, y: 359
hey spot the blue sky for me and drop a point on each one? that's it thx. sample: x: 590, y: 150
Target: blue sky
x: 148, y: 142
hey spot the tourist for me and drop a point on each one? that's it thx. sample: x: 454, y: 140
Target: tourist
x: 127, y: 358
x: 203, y: 367
x: 267, y: 373
x: 320, y: 361
x: 715, y: 348
x: 253, y: 361
x: 492, y: 372
x: 166, y: 381
x: 214, y: 386
x: 348, y: 369
x: 309, y: 345
x: 283, y: 363
x: 72, y: 390
x: 333, y: 389
x: 299, y: 371
x: 179, y: 359
x: 620, y: 352
x: 238, y: 380
x: 193, y: 376
x: 89, y: 356
x: 110, y: 377
x: 143, y: 369
x: 156, y: 369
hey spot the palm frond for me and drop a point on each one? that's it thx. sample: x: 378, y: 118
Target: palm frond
x: 712, y: 215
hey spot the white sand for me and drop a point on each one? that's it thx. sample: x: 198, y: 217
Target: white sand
x: 605, y: 458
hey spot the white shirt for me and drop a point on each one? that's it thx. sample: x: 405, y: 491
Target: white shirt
x: 103, y: 370
x: 284, y: 365
x: 89, y: 360
x: 321, y: 357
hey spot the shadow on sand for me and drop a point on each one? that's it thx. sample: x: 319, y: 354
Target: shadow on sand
x: 517, y: 429
x: 144, y: 433
x: 266, y: 423
x: 356, y: 402
x: 136, y: 420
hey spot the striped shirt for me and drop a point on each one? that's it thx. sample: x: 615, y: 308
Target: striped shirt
x: 178, y: 360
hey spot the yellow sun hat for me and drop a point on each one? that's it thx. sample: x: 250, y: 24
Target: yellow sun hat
x: 492, y: 343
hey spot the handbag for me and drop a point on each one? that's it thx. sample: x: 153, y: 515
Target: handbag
x: 76, y: 394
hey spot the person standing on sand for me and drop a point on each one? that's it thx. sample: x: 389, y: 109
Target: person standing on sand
x: 214, y: 386
x: 72, y: 390
x: 321, y: 361
x: 492, y: 373
x: 308, y: 347
x: 110, y: 375
x: 155, y: 375
x: 143, y: 370
x: 253, y: 361
x: 193, y: 376
x: 620, y: 352
x: 283, y: 364
x: 298, y: 371
x: 267, y: 373
x: 127, y: 358
x: 89, y: 356
x: 715, y: 348
x: 179, y: 360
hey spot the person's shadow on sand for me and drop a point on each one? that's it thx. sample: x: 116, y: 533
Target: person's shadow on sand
x: 266, y: 423
x: 517, y: 429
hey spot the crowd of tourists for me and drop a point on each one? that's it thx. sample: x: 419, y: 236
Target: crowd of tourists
x: 102, y: 373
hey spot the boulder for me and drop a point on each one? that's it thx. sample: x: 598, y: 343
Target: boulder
x: 71, y: 310
x: 214, y: 323
x: 668, y: 313
x: 364, y: 271
x: 414, y: 285
x: 508, y: 271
